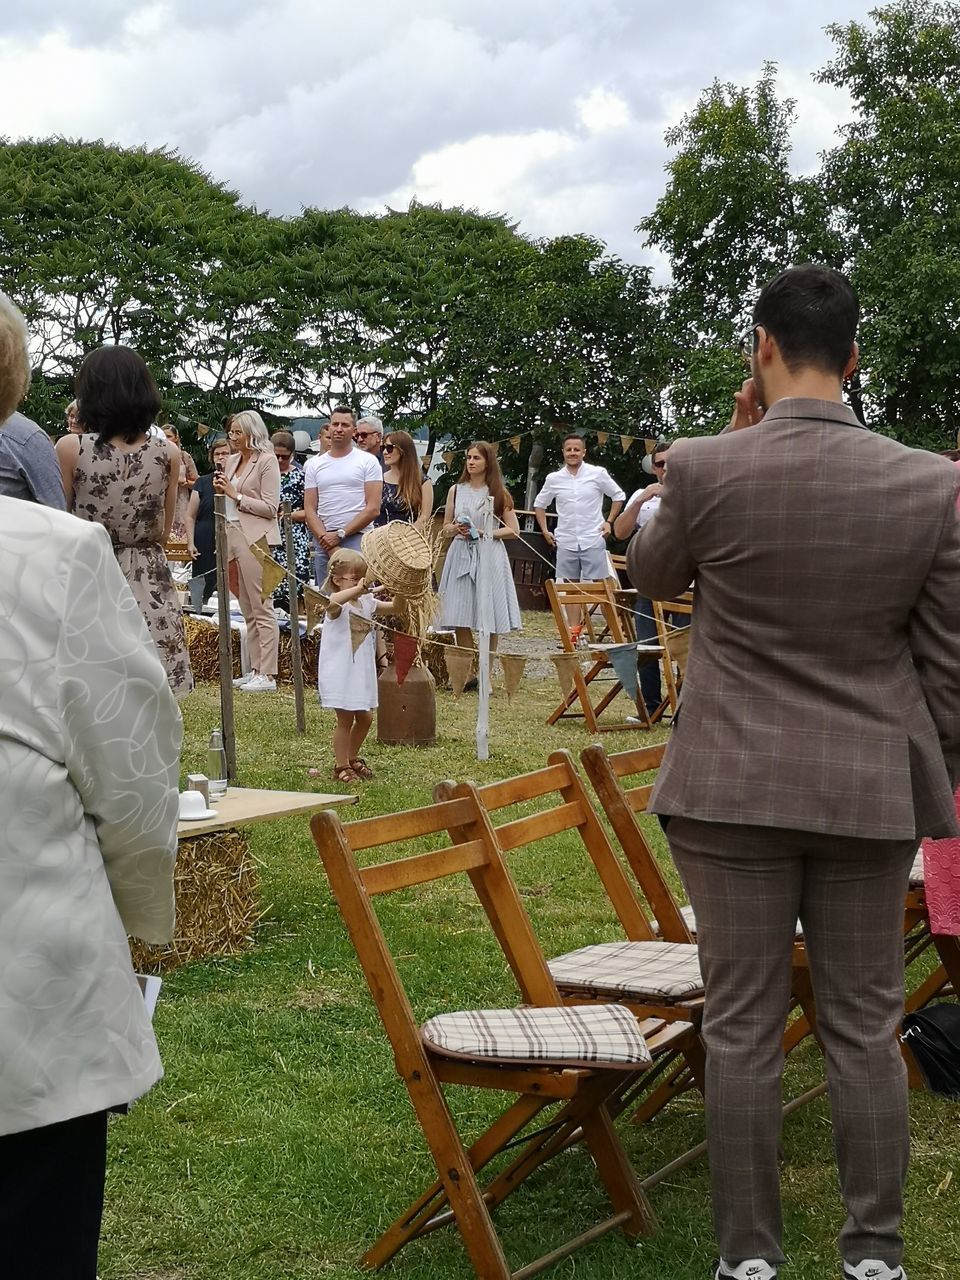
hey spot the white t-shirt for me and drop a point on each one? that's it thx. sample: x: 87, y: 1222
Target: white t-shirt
x: 579, y: 497
x: 339, y: 483
x: 648, y: 510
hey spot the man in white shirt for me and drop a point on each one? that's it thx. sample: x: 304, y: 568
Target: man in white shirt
x: 342, y: 492
x: 578, y: 489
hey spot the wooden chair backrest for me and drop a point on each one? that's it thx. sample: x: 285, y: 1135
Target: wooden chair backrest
x: 571, y: 810
x: 621, y: 803
x: 474, y: 853
x: 597, y: 599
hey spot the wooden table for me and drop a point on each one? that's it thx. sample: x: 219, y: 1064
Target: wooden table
x: 245, y: 806
x: 216, y: 878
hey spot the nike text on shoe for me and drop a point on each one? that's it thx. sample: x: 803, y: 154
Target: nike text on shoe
x: 751, y: 1269
x: 260, y: 684
x: 872, y: 1269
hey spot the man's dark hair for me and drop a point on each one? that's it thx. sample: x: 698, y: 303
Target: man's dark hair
x: 811, y: 312
x: 343, y: 408
x: 116, y: 394
x: 573, y: 435
x: 661, y: 447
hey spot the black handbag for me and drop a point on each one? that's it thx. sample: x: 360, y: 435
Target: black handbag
x: 933, y: 1037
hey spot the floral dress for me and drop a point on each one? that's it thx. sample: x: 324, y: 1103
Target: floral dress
x: 126, y: 491
x: 291, y: 490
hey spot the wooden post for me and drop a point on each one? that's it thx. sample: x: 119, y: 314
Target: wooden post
x: 226, y: 639
x: 293, y: 594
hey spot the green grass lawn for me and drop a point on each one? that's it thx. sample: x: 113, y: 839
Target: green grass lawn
x: 280, y: 1142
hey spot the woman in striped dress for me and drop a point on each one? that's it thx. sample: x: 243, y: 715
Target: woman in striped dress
x: 465, y: 522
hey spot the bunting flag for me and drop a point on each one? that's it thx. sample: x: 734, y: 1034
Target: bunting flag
x: 566, y: 664
x: 515, y: 443
x: 360, y: 628
x: 271, y: 576
x: 448, y: 458
x: 459, y: 663
x: 316, y: 603
x: 603, y: 437
x: 405, y: 649
x: 626, y: 442
x: 202, y: 429
x: 260, y: 548
x: 623, y: 659
x: 649, y: 445
x: 513, y: 667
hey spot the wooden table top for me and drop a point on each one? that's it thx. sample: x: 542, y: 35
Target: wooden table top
x: 244, y: 806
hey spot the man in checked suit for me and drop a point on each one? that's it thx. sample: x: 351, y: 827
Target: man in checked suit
x: 818, y: 738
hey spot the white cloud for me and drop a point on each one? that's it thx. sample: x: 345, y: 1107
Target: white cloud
x: 550, y: 111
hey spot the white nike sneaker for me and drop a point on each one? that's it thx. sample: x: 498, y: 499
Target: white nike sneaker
x: 872, y: 1269
x: 752, y: 1269
x: 244, y: 679
x: 260, y: 684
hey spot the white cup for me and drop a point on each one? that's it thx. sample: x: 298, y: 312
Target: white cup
x: 192, y: 805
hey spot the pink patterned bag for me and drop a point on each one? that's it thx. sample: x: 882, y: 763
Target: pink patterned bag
x: 941, y: 878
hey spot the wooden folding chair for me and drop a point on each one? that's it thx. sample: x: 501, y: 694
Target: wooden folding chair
x: 462, y: 1048
x: 653, y: 976
x: 598, y: 598
x: 675, y: 642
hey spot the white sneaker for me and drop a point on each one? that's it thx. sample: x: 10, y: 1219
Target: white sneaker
x: 260, y: 684
x: 872, y: 1269
x: 244, y: 679
x: 751, y: 1269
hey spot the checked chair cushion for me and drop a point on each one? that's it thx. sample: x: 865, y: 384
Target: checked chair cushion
x: 631, y: 970
x: 916, y: 871
x: 608, y: 1035
x: 691, y: 919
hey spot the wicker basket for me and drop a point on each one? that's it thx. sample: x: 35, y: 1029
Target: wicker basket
x: 401, y: 558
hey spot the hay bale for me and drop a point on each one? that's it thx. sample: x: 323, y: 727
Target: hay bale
x: 432, y: 651
x: 216, y: 886
x: 203, y: 645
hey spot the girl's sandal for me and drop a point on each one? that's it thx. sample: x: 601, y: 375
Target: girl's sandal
x: 361, y: 768
x: 344, y: 773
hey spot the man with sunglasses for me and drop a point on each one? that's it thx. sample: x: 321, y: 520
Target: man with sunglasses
x: 369, y: 438
x: 818, y: 739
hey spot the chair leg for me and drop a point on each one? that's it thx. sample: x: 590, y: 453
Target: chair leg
x: 617, y: 1174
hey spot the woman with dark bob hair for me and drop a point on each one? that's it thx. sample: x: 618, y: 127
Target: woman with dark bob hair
x: 120, y: 476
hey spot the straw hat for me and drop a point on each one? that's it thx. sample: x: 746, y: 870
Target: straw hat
x: 401, y: 558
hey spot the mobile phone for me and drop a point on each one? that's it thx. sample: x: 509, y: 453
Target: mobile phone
x: 218, y: 468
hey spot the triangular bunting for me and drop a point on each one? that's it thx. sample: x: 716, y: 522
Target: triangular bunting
x: 625, y: 443
x: 260, y: 548
x: 459, y: 663
x: 271, y: 577
x: 316, y: 602
x: 196, y: 593
x: 513, y: 665
x: 623, y: 659
x: 202, y: 429
x: 448, y: 458
x: 360, y: 628
x: 603, y: 437
x: 515, y: 443
x: 566, y: 664
x: 649, y: 445
x: 405, y: 650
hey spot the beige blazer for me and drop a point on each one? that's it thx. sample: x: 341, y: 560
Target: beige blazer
x: 258, y: 489
x: 89, y: 758
x: 822, y: 690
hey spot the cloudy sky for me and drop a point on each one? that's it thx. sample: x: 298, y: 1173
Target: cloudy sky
x: 549, y: 111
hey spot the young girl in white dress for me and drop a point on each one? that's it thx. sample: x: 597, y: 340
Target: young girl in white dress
x: 347, y: 680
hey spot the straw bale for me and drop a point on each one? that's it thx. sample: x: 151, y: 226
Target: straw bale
x: 216, y: 886
x: 431, y: 652
x: 204, y: 648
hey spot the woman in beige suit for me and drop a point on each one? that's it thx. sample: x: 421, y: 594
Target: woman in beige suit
x: 251, y: 484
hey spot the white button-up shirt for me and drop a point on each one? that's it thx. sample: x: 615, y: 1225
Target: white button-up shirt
x: 579, y: 497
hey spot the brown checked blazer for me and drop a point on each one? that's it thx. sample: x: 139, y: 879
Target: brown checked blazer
x: 822, y: 689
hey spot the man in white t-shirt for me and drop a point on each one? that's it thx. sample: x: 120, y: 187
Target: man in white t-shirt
x: 342, y: 492
x: 578, y: 489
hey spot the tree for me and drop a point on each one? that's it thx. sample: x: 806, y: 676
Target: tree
x: 894, y: 187
x: 731, y: 217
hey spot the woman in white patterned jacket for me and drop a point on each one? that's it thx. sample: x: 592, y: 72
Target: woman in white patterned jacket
x: 89, y: 752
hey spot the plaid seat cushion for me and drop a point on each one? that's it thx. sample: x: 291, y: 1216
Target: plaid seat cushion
x: 631, y: 970
x: 691, y: 922
x: 916, y: 871
x: 606, y: 1035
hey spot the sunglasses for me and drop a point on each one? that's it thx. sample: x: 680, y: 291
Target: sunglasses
x: 283, y: 456
x: 661, y: 464
x: 389, y: 448
x: 748, y: 344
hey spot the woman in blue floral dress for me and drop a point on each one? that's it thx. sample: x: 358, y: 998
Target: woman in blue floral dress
x: 291, y: 490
